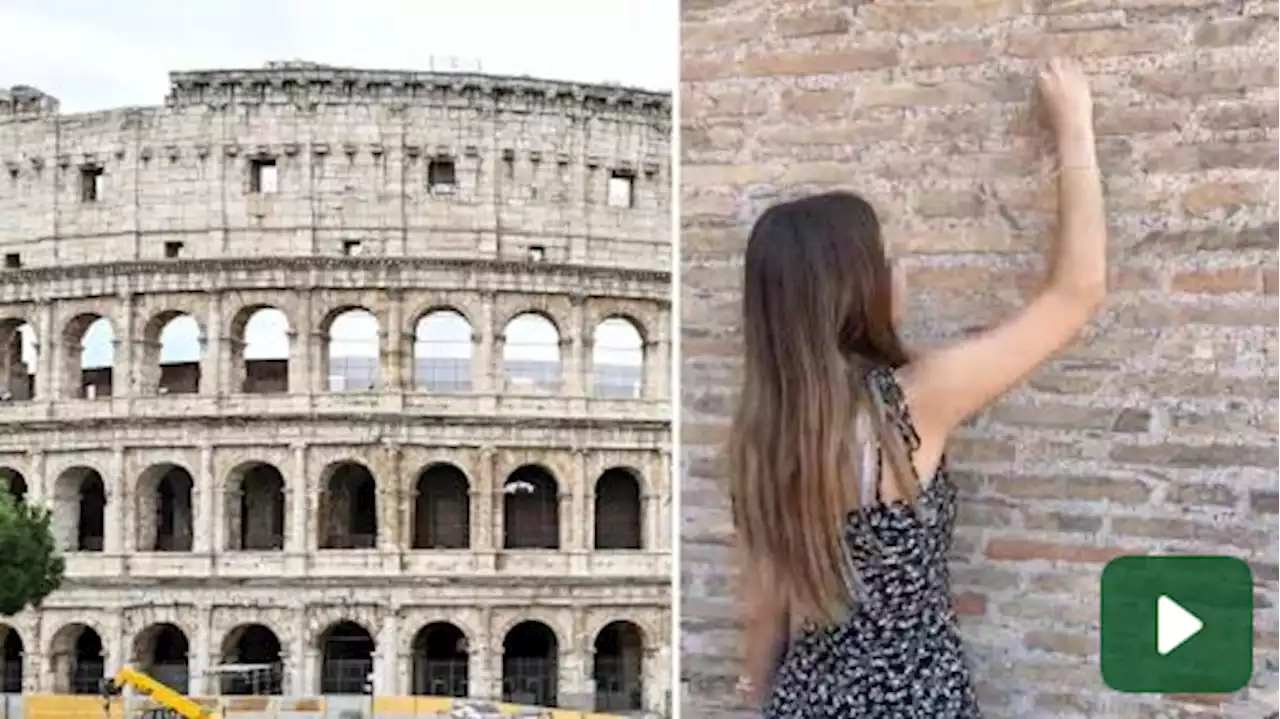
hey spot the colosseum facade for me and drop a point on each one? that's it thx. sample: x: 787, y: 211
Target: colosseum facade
x: 341, y: 381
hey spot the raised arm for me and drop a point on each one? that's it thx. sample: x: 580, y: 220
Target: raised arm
x: 948, y: 385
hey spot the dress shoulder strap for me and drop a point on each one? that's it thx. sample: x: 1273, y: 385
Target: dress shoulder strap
x: 883, y: 381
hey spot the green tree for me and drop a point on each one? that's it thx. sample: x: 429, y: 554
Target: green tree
x: 30, y: 566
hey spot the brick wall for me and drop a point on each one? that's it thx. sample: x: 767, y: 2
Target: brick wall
x: 1155, y: 433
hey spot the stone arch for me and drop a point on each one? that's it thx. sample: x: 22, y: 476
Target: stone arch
x: 19, y: 360
x: 346, y: 650
x: 531, y: 509
x: 260, y: 350
x: 162, y: 650
x: 78, y: 659
x: 13, y: 654
x: 443, y: 344
x: 173, y: 344
x: 348, y: 507
x: 440, y: 661
x: 531, y: 357
x: 14, y: 483
x: 79, y: 509
x: 352, y: 349
x: 442, y: 508
x: 89, y: 343
x: 617, y: 358
x: 618, y: 667
x: 530, y: 664
x: 619, y: 510
x: 251, y: 661
x: 255, y: 508
x: 165, y: 521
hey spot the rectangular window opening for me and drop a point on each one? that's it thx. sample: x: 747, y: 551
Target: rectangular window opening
x: 13, y: 261
x: 622, y: 189
x: 351, y: 248
x: 537, y: 253
x: 91, y: 183
x: 442, y: 177
x: 172, y: 250
x: 263, y: 176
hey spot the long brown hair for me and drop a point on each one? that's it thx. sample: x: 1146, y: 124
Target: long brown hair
x: 817, y: 316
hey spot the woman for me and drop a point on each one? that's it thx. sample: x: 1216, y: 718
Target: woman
x: 847, y: 608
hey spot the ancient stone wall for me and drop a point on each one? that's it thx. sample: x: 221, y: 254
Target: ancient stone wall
x: 400, y: 512
x: 1156, y: 432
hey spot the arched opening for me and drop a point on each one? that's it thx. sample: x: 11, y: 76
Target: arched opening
x: 347, y: 663
x: 617, y: 360
x: 90, y: 360
x: 260, y: 350
x: 442, y: 346
x: 349, y: 508
x: 13, y: 483
x: 531, y: 354
x: 440, y: 661
x: 79, y: 510
x: 530, y: 510
x: 164, y: 509
x: 619, y: 668
x: 161, y: 651
x: 19, y: 359
x: 352, y: 351
x: 529, y: 665
x: 251, y: 662
x: 618, y: 511
x: 178, y: 349
x: 78, y: 660
x: 442, y: 509
x: 255, y: 509
x: 12, y: 655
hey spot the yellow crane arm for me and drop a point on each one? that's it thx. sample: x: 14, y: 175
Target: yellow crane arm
x: 162, y: 694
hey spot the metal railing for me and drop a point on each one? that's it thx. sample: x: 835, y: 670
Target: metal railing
x: 346, y: 676
x: 87, y: 676
x: 440, y: 677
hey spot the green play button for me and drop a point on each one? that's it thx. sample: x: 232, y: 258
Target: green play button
x: 1177, y: 624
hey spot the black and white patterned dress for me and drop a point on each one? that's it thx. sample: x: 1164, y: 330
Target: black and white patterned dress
x: 899, y: 655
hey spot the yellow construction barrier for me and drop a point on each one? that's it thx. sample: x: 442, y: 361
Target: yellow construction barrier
x: 155, y: 700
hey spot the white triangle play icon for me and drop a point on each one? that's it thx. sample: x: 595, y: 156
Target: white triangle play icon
x: 1174, y: 625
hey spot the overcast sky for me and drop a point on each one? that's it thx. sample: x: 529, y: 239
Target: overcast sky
x: 92, y: 54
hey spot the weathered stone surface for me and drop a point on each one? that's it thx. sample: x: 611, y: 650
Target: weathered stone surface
x: 1154, y: 432
x: 139, y: 215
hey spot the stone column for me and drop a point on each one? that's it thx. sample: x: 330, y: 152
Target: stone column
x: 657, y: 362
x: 318, y: 350
x: 574, y: 344
x: 663, y: 490
x: 200, y: 658
x: 391, y: 375
x: 480, y: 681
x: 386, y: 652
x: 656, y: 670
x: 296, y: 493
x: 50, y: 350
x: 302, y: 657
x: 303, y: 360
x: 481, y: 497
x: 212, y: 355
x: 124, y: 368
x: 208, y: 526
x: 390, y: 533
x: 580, y: 511
x: 38, y: 485
x: 117, y: 539
x: 575, y: 685
x: 483, y: 362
